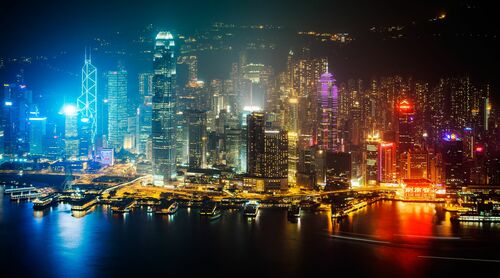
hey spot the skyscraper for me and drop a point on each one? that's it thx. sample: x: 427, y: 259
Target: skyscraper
x: 163, y: 125
x: 327, y: 133
x: 87, y: 108
x: 116, y: 87
x: 453, y: 158
x: 197, y: 137
x: 70, y: 132
x: 144, y: 111
x: 267, y: 152
x: 14, y: 121
x: 38, y: 131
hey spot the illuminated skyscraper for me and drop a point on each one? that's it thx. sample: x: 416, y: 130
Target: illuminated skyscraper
x: 144, y: 111
x: 267, y: 152
x: 196, y: 121
x: 116, y: 88
x: 387, y: 162
x: 38, y: 131
x: 371, y: 159
x: 406, y: 135
x: 71, y: 142
x: 87, y: 107
x: 163, y: 126
x: 327, y: 133
x: 453, y: 158
x: 17, y: 100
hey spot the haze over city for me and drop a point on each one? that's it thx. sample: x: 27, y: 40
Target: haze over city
x: 242, y: 138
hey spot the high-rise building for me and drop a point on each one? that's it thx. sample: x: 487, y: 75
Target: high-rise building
x: 196, y: 137
x: 71, y: 142
x: 144, y: 111
x: 453, y: 158
x: 387, y: 162
x: 267, y: 158
x: 116, y: 88
x: 372, y: 159
x: 146, y: 87
x: 163, y: 127
x: 337, y: 169
x: 406, y: 135
x: 87, y: 109
x: 17, y: 101
x: 327, y: 134
x: 38, y: 131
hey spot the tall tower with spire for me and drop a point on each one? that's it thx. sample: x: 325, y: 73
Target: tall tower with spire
x: 87, y: 108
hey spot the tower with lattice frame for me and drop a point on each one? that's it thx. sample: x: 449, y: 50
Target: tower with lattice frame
x: 87, y: 104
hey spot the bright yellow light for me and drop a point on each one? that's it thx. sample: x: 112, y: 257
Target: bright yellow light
x: 442, y: 16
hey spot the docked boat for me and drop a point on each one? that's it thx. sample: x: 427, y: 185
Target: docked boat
x: 251, y: 209
x: 167, y: 207
x: 476, y: 217
x: 150, y: 209
x: 84, y: 203
x: 211, y: 210
x: 41, y: 203
x: 293, y: 211
x: 123, y: 206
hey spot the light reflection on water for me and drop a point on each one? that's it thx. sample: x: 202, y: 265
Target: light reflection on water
x: 101, y: 240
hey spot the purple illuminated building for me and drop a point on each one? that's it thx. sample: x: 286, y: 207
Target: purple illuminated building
x: 327, y: 134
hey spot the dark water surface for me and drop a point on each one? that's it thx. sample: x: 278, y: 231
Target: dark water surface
x: 389, y: 239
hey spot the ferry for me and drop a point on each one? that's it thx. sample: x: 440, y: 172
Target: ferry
x: 477, y: 217
x: 344, y: 209
x: 293, y: 211
x: 251, y: 209
x: 123, y: 206
x: 236, y: 203
x: 84, y: 203
x: 211, y: 210
x: 167, y: 207
x: 41, y: 203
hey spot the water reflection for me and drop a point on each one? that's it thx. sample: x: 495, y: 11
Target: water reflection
x: 400, y: 234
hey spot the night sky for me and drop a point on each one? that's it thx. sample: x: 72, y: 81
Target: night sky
x: 54, y: 22
x: 49, y: 27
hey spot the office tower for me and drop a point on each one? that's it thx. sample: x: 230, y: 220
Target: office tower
x: 304, y: 85
x: 453, y: 158
x: 54, y: 144
x: 306, y: 168
x: 71, y: 142
x: 372, y: 159
x: 327, y: 134
x: 337, y: 169
x: 415, y: 164
x: 163, y: 127
x: 116, y: 89
x: 406, y: 135
x: 387, y: 162
x: 87, y: 108
x: 233, y: 144
x: 38, y: 132
x: 146, y: 88
x: 17, y: 101
x: 267, y: 155
x: 196, y: 121
x: 192, y: 67
x: 293, y: 157
x: 144, y: 111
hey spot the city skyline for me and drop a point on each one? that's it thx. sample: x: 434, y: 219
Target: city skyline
x: 288, y: 139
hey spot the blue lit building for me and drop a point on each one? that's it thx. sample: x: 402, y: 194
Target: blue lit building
x: 116, y: 87
x: 14, y: 122
x: 37, y: 133
x: 164, y: 123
